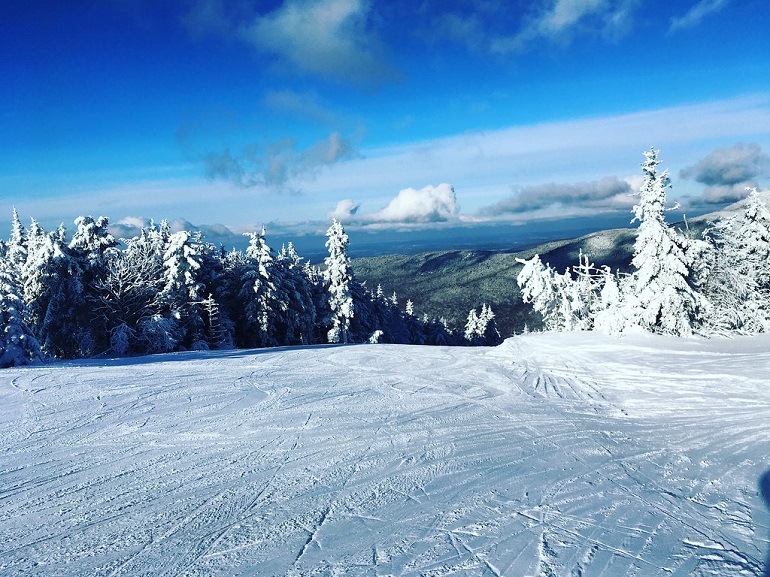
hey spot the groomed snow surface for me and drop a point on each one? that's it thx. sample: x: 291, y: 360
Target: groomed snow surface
x: 550, y: 455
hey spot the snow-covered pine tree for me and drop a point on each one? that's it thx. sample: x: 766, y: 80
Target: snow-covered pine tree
x: 18, y: 346
x: 127, y: 292
x: 415, y: 327
x: 473, y: 328
x: 490, y: 336
x: 258, y: 293
x: 180, y: 296
x: 752, y: 235
x: 551, y: 294
x: 586, y: 293
x: 660, y: 294
x: 339, y: 278
x: 610, y: 314
x: 294, y: 312
x: 91, y: 244
x: 16, y: 250
x: 91, y: 248
x: 738, y: 283
x: 54, y: 288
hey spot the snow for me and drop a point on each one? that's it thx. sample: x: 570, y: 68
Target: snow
x: 571, y: 454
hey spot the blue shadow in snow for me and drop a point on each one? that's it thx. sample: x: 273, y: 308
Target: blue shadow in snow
x: 764, y: 489
x: 187, y: 356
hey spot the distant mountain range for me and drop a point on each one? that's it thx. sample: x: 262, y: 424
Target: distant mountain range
x: 448, y: 283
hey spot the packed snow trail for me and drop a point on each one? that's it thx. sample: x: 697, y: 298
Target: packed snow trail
x: 551, y: 455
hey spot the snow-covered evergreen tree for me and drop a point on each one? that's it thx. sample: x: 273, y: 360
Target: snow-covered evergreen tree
x: 610, y: 313
x: 16, y: 250
x: 128, y: 289
x: 54, y: 292
x: 180, y: 296
x: 660, y: 294
x: 18, y: 346
x: 294, y: 311
x: 752, y: 237
x: 490, y: 336
x: 738, y: 283
x: 481, y: 329
x: 181, y: 267
x: 91, y: 244
x: 258, y: 292
x: 339, y: 278
x: 90, y: 248
x: 553, y: 295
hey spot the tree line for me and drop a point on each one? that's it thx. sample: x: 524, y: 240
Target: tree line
x: 678, y: 284
x: 164, y: 291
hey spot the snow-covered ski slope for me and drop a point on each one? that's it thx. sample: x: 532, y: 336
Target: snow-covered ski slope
x: 551, y: 455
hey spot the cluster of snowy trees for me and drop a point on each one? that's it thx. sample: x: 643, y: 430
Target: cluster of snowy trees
x: 167, y: 291
x: 678, y: 285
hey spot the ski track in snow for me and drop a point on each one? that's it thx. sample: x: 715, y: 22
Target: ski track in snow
x: 552, y: 455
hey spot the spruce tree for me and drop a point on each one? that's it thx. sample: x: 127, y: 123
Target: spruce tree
x: 661, y: 294
x: 339, y: 279
x: 258, y: 293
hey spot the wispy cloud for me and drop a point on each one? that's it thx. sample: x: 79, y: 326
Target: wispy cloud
x: 697, y: 13
x: 331, y: 39
x: 273, y: 165
x: 305, y: 105
x: 559, y: 21
x: 727, y: 172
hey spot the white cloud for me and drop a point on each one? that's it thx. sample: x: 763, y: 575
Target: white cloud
x: 424, y: 206
x: 345, y: 210
x: 327, y: 38
x: 428, y: 204
x: 695, y: 14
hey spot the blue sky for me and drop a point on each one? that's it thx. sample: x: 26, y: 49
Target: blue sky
x: 384, y: 114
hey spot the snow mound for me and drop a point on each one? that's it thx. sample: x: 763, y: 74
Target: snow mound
x: 552, y: 454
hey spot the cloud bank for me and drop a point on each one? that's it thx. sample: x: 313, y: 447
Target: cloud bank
x: 608, y: 194
x: 727, y: 172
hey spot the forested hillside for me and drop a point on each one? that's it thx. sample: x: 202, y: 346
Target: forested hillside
x: 442, y: 283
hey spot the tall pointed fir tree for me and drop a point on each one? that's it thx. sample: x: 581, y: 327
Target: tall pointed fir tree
x: 17, y: 250
x: 181, y: 322
x: 257, y: 293
x: 661, y: 293
x: 339, y: 278
x: 18, y: 346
